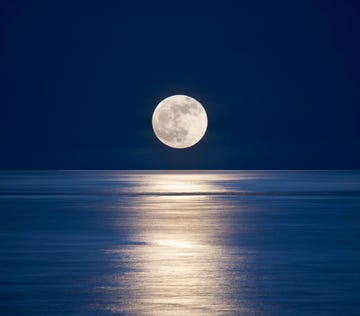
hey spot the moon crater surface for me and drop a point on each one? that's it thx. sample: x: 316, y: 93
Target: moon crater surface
x: 179, y: 121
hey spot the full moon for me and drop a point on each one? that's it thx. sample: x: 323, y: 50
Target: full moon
x: 179, y: 121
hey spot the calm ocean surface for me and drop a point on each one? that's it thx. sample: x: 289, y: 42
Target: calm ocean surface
x: 180, y: 243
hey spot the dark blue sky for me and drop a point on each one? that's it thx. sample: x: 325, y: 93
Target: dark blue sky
x: 79, y: 81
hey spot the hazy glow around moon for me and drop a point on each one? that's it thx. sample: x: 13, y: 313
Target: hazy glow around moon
x: 179, y: 121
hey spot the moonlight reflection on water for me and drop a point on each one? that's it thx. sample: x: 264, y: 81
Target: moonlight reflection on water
x: 176, y: 262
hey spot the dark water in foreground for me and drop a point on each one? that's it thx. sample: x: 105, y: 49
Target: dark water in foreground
x: 180, y: 243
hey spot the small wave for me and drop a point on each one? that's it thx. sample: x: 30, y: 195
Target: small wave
x: 197, y: 193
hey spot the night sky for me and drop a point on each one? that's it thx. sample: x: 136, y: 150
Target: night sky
x: 280, y: 81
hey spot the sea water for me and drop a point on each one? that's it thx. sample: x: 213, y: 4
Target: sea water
x: 180, y: 243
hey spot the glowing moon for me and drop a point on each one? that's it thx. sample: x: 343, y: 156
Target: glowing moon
x: 179, y: 121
